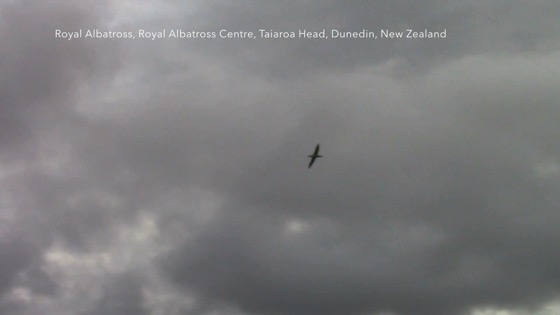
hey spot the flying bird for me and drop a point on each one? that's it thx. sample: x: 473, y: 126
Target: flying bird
x: 314, y: 156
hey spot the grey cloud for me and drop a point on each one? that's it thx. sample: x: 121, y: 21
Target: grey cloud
x: 17, y: 254
x: 123, y: 296
x: 39, y: 282
x: 40, y: 82
x: 437, y: 193
x: 10, y: 308
x: 449, y: 216
x: 473, y: 28
x: 40, y: 75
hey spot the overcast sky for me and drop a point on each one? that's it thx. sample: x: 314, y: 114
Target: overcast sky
x: 169, y: 176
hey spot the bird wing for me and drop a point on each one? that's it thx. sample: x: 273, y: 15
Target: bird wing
x: 316, y: 150
x: 311, y: 162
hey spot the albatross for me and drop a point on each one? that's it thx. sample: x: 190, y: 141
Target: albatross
x: 314, y: 156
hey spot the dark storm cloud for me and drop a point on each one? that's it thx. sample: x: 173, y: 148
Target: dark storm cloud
x: 437, y: 193
x: 41, y: 77
x: 39, y: 82
x: 433, y: 209
x: 472, y: 28
x: 39, y: 74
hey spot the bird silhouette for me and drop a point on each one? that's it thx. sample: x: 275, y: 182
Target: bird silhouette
x: 314, y: 156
